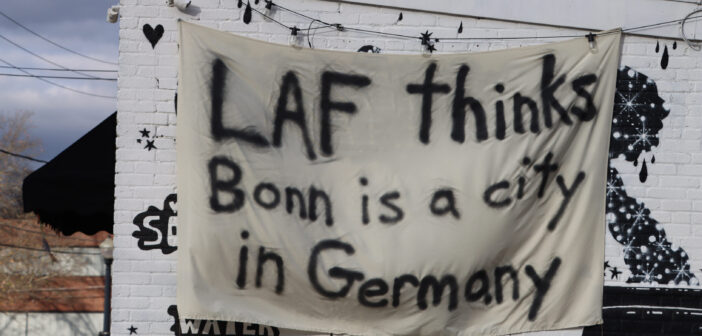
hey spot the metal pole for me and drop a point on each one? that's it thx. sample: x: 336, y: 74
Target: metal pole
x: 108, y: 297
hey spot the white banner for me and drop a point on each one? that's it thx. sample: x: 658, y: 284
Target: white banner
x: 375, y: 194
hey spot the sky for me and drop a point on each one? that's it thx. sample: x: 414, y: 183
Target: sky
x: 60, y: 116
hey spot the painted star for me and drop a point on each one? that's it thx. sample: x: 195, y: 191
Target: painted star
x: 144, y: 133
x: 615, y: 273
x: 640, y: 215
x: 612, y: 188
x: 431, y: 48
x: 426, y: 37
x: 682, y: 273
x: 606, y: 264
x: 642, y: 136
x: 150, y: 145
x: 132, y: 330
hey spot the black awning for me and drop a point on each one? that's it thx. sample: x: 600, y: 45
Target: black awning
x: 74, y: 192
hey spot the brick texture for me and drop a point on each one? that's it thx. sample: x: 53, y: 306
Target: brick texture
x: 144, y: 281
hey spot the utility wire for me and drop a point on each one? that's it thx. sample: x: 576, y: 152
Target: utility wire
x: 56, y: 84
x: 56, y: 69
x: 21, y: 156
x: 340, y: 27
x: 13, y: 227
x: 58, y: 289
x: 54, y: 43
x: 270, y: 18
x: 41, y: 57
x: 43, y: 250
x: 58, y: 77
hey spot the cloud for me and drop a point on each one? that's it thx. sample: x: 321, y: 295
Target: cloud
x: 60, y: 116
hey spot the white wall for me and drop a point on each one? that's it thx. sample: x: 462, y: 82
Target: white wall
x: 144, y: 280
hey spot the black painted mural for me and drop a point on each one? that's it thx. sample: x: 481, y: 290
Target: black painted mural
x: 153, y: 34
x: 154, y: 226
x: 192, y: 327
x: 638, y: 115
x: 647, y: 311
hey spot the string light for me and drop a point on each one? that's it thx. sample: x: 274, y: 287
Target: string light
x: 295, y: 39
x: 427, y: 46
x: 269, y: 10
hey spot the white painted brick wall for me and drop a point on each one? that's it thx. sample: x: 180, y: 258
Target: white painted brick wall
x: 144, y: 281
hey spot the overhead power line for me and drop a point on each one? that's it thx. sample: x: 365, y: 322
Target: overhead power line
x: 56, y: 69
x: 42, y: 57
x: 43, y: 250
x: 57, y: 289
x: 58, y: 77
x: 21, y: 156
x: 56, y: 84
x: 14, y: 227
x: 54, y: 43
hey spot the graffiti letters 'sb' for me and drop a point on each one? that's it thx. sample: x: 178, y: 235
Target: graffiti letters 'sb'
x: 154, y: 233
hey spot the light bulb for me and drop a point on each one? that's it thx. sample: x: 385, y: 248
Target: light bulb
x: 269, y: 11
x: 295, y: 37
x: 591, y: 42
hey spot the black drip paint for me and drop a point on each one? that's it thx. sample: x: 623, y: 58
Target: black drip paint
x: 399, y: 17
x: 653, y: 159
x: 675, y: 45
x: 247, y: 13
x: 153, y: 34
x: 460, y: 28
x: 239, y: 3
x: 256, y: 2
x: 658, y: 47
x: 664, y: 58
x: 643, y: 174
x: 636, y: 162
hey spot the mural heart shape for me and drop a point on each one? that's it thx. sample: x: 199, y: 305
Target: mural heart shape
x: 153, y: 34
